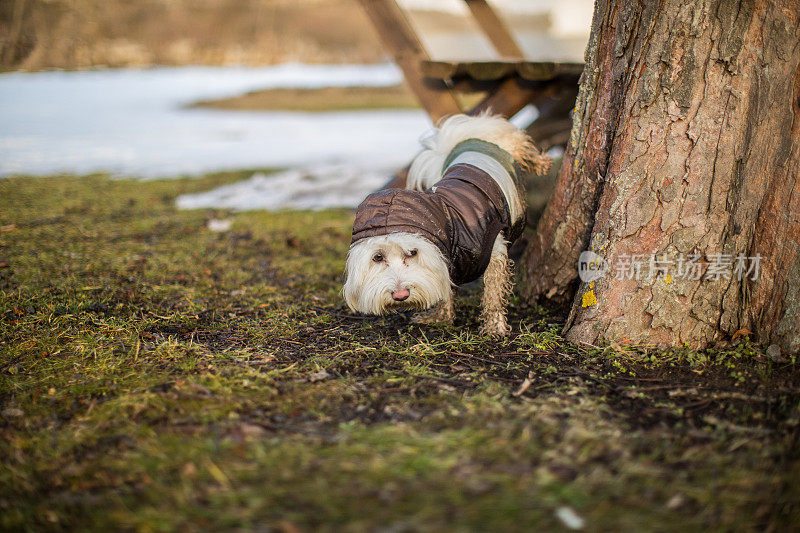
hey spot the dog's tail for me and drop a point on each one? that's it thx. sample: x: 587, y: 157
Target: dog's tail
x: 426, y: 169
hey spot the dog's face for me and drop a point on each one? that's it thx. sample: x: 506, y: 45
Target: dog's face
x: 394, y: 272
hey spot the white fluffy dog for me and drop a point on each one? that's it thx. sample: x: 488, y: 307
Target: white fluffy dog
x: 462, y: 207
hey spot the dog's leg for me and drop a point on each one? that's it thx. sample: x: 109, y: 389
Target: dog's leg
x: 496, y: 289
x: 441, y: 313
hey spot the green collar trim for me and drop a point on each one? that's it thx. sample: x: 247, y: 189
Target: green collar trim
x: 483, y: 147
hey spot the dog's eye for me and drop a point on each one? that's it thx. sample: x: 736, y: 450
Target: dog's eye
x: 377, y: 257
x: 412, y: 253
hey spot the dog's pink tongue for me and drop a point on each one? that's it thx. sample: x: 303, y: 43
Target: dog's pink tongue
x: 400, y: 294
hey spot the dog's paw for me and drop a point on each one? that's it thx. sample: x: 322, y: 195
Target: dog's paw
x: 495, y: 326
x: 439, y: 314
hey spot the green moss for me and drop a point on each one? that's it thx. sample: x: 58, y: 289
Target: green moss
x: 156, y: 375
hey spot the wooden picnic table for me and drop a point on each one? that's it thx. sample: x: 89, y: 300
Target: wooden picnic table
x: 510, y: 82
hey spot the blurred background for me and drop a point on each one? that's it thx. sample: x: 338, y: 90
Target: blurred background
x: 162, y: 88
x: 79, y: 34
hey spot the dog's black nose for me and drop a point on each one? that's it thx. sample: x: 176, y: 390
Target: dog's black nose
x: 400, y: 294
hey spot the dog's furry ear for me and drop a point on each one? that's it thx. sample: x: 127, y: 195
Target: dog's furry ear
x: 351, y: 288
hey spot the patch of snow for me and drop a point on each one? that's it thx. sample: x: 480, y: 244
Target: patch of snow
x: 219, y: 226
x: 135, y: 123
x: 317, y: 187
x: 570, y: 518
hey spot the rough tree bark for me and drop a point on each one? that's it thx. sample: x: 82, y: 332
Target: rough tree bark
x: 684, y: 158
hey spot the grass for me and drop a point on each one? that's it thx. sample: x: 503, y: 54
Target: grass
x: 318, y: 100
x: 327, y: 99
x: 156, y: 375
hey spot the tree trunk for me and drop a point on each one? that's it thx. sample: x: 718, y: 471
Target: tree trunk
x: 683, y: 174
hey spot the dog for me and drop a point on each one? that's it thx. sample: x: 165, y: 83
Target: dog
x: 462, y: 208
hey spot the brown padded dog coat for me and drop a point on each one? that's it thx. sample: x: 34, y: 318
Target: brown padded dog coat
x: 462, y: 215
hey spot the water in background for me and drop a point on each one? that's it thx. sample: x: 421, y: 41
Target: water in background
x: 135, y: 123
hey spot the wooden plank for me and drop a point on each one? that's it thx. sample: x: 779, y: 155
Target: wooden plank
x: 495, y: 70
x: 477, y: 70
x: 439, y: 70
x: 507, y: 99
x: 402, y: 42
x: 555, y: 105
x: 488, y: 70
x: 549, y: 132
x: 543, y: 71
x: 495, y: 29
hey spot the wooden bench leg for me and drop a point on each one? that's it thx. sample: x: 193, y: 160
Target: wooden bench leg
x: 495, y: 29
x: 403, y: 43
